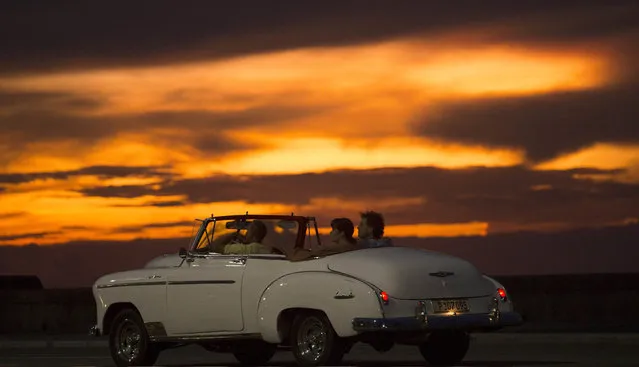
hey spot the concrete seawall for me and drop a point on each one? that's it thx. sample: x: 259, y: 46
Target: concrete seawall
x: 47, y: 310
x: 576, y: 303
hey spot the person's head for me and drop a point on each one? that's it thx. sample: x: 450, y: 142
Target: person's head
x: 371, y: 225
x: 256, y: 231
x: 342, y: 228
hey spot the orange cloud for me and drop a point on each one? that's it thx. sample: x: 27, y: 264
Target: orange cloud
x: 601, y: 156
x: 364, y: 96
x: 369, y: 92
x: 297, y: 155
x: 54, y: 210
x: 346, y: 75
x: 424, y: 230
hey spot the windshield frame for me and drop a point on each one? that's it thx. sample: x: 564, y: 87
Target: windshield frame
x: 303, y: 224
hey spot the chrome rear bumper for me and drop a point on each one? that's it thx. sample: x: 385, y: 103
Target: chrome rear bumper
x: 438, y: 322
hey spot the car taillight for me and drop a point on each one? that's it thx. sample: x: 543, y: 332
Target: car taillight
x: 502, y: 294
x: 384, y: 296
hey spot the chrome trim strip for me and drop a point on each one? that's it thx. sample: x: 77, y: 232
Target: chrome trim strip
x: 437, y: 322
x: 339, y: 295
x: 130, y: 284
x: 218, y: 256
x: 191, y: 282
x: 215, y: 255
x: 443, y: 298
x: 187, y: 338
x: 266, y: 257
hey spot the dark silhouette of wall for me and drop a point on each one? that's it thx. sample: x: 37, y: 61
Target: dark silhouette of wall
x: 579, y: 302
x: 20, y: 282
x: 590, y: 250
x: 576, y: 302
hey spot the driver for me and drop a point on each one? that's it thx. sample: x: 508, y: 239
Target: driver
x: 237, y: 244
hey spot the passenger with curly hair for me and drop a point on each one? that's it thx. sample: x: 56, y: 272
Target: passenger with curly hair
x: 370, y: 231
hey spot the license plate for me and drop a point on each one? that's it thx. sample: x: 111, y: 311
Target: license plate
x: 451, y: 305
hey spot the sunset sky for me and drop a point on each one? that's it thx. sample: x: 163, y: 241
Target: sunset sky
x: 124, y: 120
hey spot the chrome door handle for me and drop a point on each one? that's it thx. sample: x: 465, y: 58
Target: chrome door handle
x: 239, y: 260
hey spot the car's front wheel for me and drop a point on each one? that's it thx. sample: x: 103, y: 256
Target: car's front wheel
x: 254, y: 352
x: 314, y: 341
x: 129, y: 342
x: 445, y: 348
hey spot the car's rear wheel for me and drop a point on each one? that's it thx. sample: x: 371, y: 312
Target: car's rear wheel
x: 254, y: 352
x: 314, y: 341
x: 445, y: 348
x: 129, y: 342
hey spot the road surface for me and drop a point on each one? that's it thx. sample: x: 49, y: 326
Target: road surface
x: 515, y: 351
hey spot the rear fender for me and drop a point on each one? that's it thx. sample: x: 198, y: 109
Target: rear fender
x: 340, y: 297
x: 504, y: 306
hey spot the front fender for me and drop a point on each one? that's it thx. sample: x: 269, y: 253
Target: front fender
x: 143, y: 288
x: 340, y: 297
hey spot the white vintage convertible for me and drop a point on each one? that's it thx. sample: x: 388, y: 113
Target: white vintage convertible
x: 250, y: 305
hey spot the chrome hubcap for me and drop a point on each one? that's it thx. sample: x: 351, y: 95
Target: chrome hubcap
x: 311, y: 339
x: 128, y: 341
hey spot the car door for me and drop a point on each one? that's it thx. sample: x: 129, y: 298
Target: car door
x: 204, y: 295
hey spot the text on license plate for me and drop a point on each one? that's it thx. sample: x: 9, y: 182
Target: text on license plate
x: 451, y: 305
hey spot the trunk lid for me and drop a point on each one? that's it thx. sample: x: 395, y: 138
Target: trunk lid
x: 410, y: 273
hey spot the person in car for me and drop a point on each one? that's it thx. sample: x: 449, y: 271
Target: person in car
x: 237, y: 244
x: 370, y: 231
x: 341, y: 240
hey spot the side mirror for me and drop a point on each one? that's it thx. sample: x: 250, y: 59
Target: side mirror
x: 182, y: 252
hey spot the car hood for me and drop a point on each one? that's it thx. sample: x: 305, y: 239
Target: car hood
x: 410, y: 273
x: 164, y: 261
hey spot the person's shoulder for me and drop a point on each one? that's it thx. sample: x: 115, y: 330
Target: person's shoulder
x: 375, y: 242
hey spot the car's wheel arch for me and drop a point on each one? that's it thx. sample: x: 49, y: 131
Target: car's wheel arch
x: 278, y: 304
x: 112, y: 311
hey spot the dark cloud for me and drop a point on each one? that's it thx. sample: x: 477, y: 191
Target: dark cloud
x: 501, y: 195
x: 137, y: 229
x: 206, y: 130
x: 11, y: 214
x: 157, y: 204
x: 126, y: 191
x: 99, y: 171
x: 13, y: 101
x: 555, y: 24
x: 26, y: 235
x: 545, y: 125
x: 38, y: 35
x: 75, y: 228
